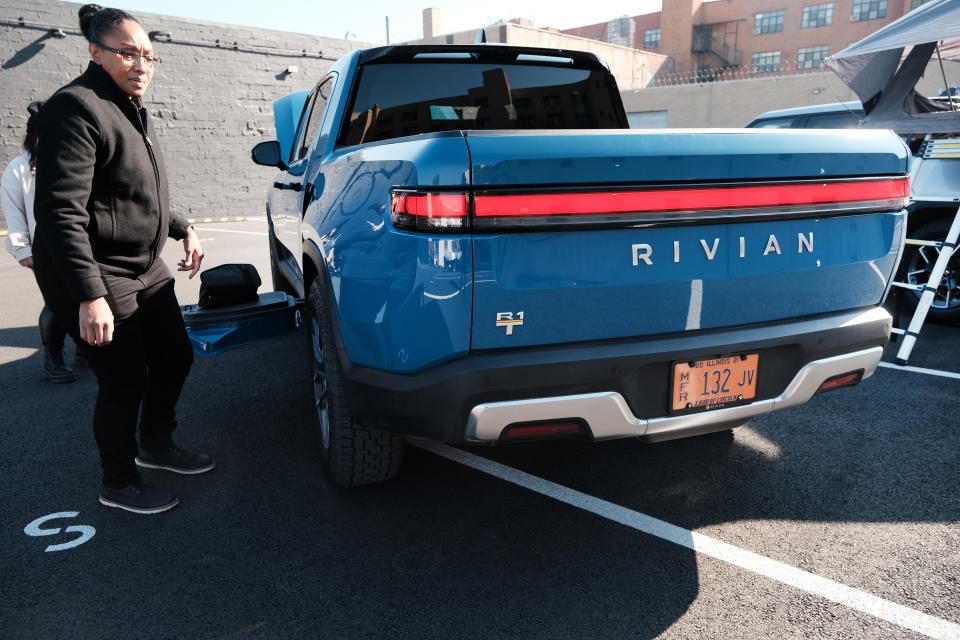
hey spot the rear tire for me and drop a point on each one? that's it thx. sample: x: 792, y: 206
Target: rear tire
x: 915, y: 268
x: 352, y: 454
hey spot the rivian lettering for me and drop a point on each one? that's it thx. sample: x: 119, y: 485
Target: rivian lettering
x: 643, y: 252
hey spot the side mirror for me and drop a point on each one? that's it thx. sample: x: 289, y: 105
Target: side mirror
x: 268, y: 154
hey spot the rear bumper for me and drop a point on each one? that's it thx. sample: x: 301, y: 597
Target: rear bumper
x: 620, y: 388
x: 609, y: 416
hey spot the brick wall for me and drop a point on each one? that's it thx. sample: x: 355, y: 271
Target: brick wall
x: 211, y: 102
x: 837, y: 36
x: 731, y: 24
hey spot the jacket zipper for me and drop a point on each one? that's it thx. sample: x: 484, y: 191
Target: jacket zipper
x: 156, y: 174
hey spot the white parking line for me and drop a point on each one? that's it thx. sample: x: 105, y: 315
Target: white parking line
x: 897, y: 614
x: 929, y: 372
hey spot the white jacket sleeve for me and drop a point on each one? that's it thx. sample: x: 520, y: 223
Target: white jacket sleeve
x: 14, y: 207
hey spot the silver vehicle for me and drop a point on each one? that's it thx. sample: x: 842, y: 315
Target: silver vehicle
x: 835, y: 115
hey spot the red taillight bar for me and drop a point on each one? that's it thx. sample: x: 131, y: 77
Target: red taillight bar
x: 689, y: 199
x: 420, y: 210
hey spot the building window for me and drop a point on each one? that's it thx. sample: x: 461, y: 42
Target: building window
x: 812, y: 57
x: 770, y: 22
x: 651, y: 39
x: 765, y: 62
x: 868, y: 10
x: 817, y: 15
x: 916, y: 3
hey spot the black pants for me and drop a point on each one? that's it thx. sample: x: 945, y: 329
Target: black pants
x: 140, y: 373
x: 51, y: 331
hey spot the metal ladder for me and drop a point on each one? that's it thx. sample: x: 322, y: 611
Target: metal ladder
x: 947, y: 248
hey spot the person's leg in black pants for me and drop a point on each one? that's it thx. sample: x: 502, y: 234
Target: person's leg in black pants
x: 141, y: 373
x: 169, y: 357
x: 52, y: 335
x: 121, y: 370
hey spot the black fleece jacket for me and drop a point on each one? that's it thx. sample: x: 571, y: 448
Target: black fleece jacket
x: 102, y: 204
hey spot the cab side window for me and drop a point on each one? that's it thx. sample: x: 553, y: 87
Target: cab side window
x: 842, y: 120
x: 776, y: 123
x: 316, y: 106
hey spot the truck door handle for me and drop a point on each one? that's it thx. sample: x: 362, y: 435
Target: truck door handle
x: 293, y: 186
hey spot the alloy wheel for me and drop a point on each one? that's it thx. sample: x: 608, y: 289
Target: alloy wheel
x: 948, y: 289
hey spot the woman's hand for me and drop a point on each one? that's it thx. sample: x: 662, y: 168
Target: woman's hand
x: 96, y: 322
x: 27, y: 262
x: 191, y: 245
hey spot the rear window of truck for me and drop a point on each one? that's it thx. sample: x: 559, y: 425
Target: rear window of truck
x: 394, y: 100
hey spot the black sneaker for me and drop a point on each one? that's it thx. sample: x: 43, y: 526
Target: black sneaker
x: 138, y: 498
x: 177, y: 460
x: 54, y: 366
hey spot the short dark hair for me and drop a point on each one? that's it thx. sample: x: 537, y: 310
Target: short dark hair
x: 97, y: 22
x: 32, y: 136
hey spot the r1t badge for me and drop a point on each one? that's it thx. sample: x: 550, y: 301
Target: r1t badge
x: 507, y: 319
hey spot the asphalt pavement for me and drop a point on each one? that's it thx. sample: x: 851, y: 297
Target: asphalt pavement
x: 838, y: 519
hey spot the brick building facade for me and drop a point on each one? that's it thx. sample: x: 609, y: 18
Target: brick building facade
x: 753, y: 36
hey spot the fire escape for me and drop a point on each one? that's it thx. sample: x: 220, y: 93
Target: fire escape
x: 716, y: 46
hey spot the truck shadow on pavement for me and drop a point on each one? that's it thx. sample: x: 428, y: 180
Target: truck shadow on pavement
x: 441, y: 551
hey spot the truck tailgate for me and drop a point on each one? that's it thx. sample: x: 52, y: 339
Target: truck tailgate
x: 584, y: 236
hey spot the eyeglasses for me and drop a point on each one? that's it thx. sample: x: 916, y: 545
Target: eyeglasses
x: 131, y: 57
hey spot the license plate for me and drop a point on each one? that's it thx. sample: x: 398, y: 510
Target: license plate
x: 713, y: 383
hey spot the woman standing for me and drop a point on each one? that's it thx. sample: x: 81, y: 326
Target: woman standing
x: 103, y: 215
x: 16, y: 200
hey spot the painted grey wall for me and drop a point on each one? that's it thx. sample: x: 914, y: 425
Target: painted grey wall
x: 211, y: 102
x: 734, y: 103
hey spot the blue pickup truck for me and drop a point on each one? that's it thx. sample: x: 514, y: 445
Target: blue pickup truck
x: 486, y: 254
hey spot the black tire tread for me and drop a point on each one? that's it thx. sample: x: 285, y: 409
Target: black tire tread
x: 357, y: 456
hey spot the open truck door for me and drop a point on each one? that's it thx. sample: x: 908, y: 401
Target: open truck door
x: 215, y: 329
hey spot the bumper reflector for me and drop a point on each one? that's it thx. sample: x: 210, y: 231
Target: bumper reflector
x: 844, y: 380
x: 552, y: 429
